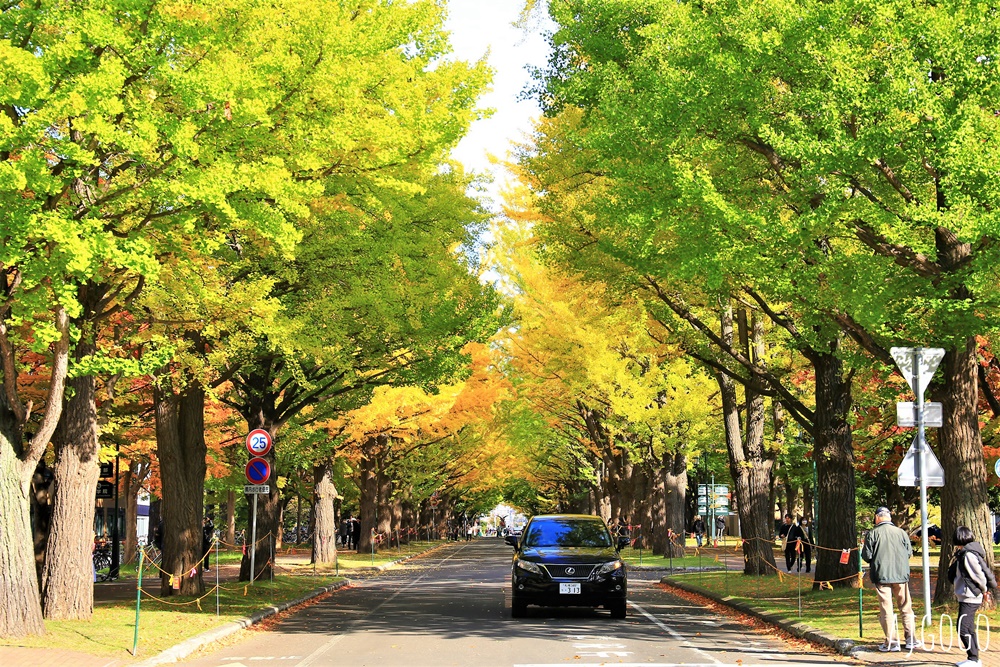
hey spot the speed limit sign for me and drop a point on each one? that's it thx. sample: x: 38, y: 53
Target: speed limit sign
x: 258, y: 442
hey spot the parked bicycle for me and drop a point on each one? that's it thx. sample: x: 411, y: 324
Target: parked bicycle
x: 102, y: 562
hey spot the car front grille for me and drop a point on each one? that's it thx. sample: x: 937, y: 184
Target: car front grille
x: 569, y: 571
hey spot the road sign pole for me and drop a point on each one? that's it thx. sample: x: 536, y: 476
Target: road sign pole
x: 918, y: 408
x: 711, y: 512
x: 253, y: 539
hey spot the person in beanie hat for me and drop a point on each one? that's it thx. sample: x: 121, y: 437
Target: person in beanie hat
x: 887, y: 550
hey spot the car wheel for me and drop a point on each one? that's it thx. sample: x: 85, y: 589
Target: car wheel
x: 518, y: 609
x: 618, y: 608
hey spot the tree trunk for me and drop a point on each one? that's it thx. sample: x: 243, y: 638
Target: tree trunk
x: 68, y: 578
x: 833, y: 452
x: 325, y: 536
x: 230, y: 517
x: 42, y: 488
x: 20, y: 601
x: 180, y: 447
x: 748, y: 463
x: 20, y: 604
x: 135, y: 476
x: 659, y: 542
x: 675, y: 483
x: 298, y: 520
x: 963, y: 497
x: 384, y: 506
x: 396, y: 529
x: 155, y: 516
x: 368, y: 499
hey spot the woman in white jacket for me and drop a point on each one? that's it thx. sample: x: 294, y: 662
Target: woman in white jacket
x: 972, y: 578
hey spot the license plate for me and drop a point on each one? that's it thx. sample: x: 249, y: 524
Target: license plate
x: 569, y: 589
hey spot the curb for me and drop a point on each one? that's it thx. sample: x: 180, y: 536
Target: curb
x: 189, y: 646
x: 794, y: 628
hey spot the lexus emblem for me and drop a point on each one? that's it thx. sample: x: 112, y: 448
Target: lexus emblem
x: 570, y: 570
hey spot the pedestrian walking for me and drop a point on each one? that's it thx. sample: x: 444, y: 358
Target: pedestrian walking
x: 345, y: 532
x: 973, y: 579
x: 698, y: 529
x: 887, y: 550
x: 720, y: 527
x: 787, y: 541
x: 355, y: 531
x: 805, y: 546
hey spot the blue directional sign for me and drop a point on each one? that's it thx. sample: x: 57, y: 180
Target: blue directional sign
x: 258, y: 471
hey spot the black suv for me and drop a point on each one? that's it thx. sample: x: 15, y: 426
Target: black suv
x: 568, y: 560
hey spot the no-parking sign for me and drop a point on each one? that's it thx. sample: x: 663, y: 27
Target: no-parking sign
x: 258, y: 442
x: 258, y: 471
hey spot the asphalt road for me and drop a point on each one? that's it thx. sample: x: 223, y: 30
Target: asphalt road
x: 453, y: 608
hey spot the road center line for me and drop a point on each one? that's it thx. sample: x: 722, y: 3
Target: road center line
x: 330, y: 643
x: 673, y: 633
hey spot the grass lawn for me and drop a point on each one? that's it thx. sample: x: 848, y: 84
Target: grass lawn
x: 631, y: 556
x: 162, y: 625
x: 298, y: 560
x: 834, y: 611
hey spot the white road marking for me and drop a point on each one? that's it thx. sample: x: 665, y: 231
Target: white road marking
x: 321, y: 651
x: 673, y: 633
x: 656, y: 664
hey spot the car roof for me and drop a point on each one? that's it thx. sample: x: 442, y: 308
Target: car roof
x: 576, y: 517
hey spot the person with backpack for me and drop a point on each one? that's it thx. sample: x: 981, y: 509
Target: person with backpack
x: 972, y: 578
x: 698, y: 529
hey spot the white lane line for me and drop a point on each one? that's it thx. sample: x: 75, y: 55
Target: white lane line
x: 654, y: 664
x: 673, y: 633
x: 329, y: 644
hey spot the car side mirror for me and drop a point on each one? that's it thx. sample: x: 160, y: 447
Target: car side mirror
x: 511, y: 540
x: 623, y: 542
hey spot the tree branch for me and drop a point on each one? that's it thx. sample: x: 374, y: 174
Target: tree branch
x: 53, y: 403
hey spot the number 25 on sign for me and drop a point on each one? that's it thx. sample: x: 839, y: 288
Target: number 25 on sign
x: 258, y: 442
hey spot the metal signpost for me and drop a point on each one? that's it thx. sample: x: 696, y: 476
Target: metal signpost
x: 920, y: 467
x: 258, y: 471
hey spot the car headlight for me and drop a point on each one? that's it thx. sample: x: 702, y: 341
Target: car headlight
x: 528, y: 566
x: 608, y: 568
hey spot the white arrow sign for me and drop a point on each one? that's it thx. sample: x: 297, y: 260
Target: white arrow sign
x: 907, y: 473
x: 906, y: 416
x: 930, y: 357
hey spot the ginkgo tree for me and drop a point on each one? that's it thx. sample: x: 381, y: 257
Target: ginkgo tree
x: 826, y: 155
x: 592, y: 360
x: 408, y: 442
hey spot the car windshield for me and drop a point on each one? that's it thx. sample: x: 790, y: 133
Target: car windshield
x: 567, y: 533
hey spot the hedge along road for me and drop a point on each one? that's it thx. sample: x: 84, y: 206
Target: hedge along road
x: 453, y: 608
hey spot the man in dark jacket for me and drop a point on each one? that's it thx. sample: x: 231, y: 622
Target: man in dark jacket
x: 698, y: 529
x: 887, y: 550
x: 797, y: 545
x: 345, y: 532
x: 788, y: 541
